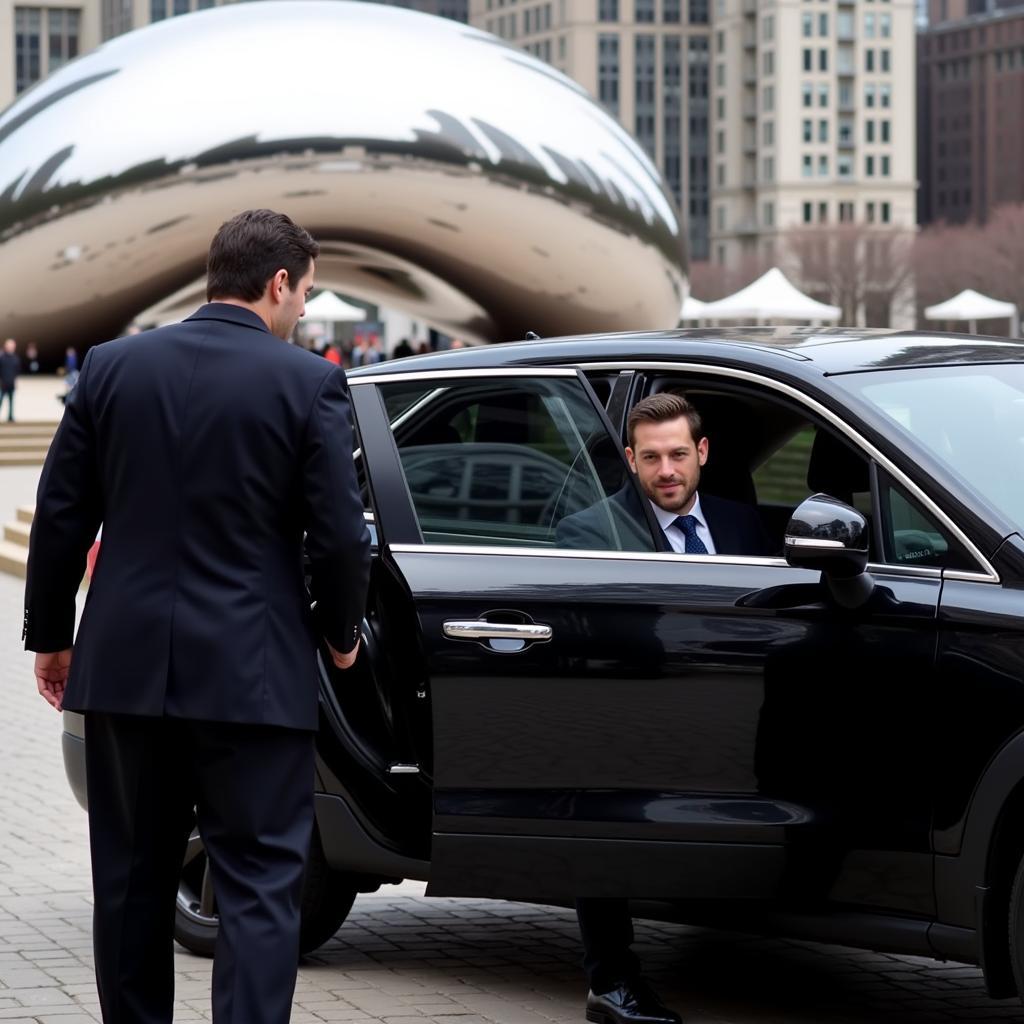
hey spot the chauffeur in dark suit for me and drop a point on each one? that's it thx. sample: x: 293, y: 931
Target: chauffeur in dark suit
x: 667, y: 448
x: 206, y: 449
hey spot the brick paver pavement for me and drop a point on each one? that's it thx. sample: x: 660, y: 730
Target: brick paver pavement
x: 402, y: 958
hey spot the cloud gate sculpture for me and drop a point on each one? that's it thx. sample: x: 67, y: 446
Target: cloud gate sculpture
x: 444, y: 172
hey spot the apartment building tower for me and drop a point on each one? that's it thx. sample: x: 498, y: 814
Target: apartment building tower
x: 647, y: 61
x: 812, y: 120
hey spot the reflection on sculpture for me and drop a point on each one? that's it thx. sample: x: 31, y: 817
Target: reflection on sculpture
x: 444, y: 172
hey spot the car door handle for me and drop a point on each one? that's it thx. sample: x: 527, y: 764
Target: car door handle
x: 482, y: 630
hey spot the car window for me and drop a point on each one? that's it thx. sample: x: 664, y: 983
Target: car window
x: 508, y: 461
x: 911, y: 536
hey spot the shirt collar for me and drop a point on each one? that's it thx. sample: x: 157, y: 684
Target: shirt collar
x: 666, y: 519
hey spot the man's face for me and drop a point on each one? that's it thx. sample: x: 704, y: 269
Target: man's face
x: 667, y: 463
x: 10, y: 345
x: 292, y: 304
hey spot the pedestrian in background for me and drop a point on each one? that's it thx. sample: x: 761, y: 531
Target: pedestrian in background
x: 207, y: 449
x: 32, y: 357
x: 10, y: 367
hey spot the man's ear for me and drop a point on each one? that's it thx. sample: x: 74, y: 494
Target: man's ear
x: 631, y: 458
x: 278, y: 283
x: 702, y: 450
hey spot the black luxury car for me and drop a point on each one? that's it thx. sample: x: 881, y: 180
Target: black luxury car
x: 826, y: 743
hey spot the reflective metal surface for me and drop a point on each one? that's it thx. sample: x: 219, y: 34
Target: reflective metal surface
x: 444, y: 172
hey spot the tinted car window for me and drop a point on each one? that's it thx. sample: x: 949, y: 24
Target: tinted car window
x: 506, y: 461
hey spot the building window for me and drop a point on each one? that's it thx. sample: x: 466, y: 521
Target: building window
x: 698, y: 13
x: 886, y: 213
x: 885, y: 25
x: 823, y: 24
x: 844, y: 166
x: 768, y: 99
x: 822, y: 213
x: 869, y: 26
x: 670, y: 12
x: 823, y: 94
x: 885, y: 95
x: 808, y: 59
x: 869, y: 212
x: 869, y: 95
x: 36, y: 49
x: 823, y: 60
x: 768, y: 170
x: 157, y: 10
x: 869, y: 166
x: 886, y: 166
x: 643, y: 11
x: 697, y: 142
x: 720, y: 76
x: 807, y: 91
x: 845, y: 213
x: 645, y: 70
x: 823, y: 131
x: 869, y: 60
x: 768, y: 133
x: 822, y: 166
x: 768, y: 214
x: 608, y: 71
x: 808, y: 135
x: 884, y: 125
x: 807, y: 24
x: 180, y: 7
x: 607, y: 10
x: 720, y: 142
x: 720, y: 108
x: 807, y: 166
x: 720, y: 174
x: 768, y: 62
x: 720, y: 218
x: 885, y: 59
x: 768, y: 28
x: 672, y: 114
x: 808, y: 213
x: 869, y: 131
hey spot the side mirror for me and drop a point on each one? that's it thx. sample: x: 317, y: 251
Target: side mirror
x: 830, y: 536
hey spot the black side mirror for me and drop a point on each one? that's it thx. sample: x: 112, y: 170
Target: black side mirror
x: 830, y: 536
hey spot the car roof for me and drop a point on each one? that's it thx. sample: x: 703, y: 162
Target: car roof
x: 827, y: 351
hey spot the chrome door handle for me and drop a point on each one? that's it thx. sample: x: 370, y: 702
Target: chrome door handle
x: 482, y: 630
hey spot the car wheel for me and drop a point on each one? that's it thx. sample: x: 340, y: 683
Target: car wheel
x: 327, y: 898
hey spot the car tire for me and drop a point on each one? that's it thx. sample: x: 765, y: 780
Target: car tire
x: 327, y: 898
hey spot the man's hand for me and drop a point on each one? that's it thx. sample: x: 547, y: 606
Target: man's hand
x: 52, y: 676
x: 343, y: 660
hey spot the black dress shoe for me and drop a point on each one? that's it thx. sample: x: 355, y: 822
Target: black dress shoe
x: 629, y: 1003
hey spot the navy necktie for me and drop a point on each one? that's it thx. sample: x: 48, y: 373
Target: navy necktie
x: 688, y: 524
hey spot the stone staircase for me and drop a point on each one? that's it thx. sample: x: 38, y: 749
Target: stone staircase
x: 14, y: 546
x: 25, y: 444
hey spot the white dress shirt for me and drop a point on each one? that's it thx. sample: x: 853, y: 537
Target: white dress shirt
x: 675, y: 537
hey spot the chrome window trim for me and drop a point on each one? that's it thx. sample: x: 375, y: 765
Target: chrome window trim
x: 460, y: 372
x: 875, y: 568
x: 987, y: 575
x: 963, y: 576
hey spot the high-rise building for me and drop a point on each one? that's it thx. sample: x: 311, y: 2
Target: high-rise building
x: 812, y: 120
x: 38, y: 36
x: 647, y: 63
x: 971, y: 108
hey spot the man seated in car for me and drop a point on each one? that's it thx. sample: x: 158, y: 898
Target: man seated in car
x: 667, y: 448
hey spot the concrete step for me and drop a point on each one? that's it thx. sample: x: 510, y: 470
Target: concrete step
x: 13, y: 558
x: 17, y: 533
x: 25, y: 513
x: 24, y: 444
x: 32, y: 458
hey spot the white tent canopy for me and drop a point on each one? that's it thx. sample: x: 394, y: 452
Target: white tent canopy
x: 328, y: 308
x: 770, y: 297
x: 692, y: 309
x: 973, y: 306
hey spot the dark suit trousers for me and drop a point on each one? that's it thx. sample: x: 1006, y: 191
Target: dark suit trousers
x: 607, y: 932
x: 252, y: 790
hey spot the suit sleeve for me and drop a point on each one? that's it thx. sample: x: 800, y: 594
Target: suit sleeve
x: 337, y: 540
x: 69, y: 510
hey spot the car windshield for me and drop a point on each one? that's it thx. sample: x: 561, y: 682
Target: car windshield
x: 971, y: 418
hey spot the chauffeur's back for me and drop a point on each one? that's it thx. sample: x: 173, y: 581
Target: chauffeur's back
x: 213, y: 445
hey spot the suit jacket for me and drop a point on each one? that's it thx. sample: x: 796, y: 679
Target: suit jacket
x: 205, y: 449
x: 735, y: 527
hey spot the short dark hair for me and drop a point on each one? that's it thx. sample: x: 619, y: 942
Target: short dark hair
x: 250, y: 249
x: 662, y: 408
